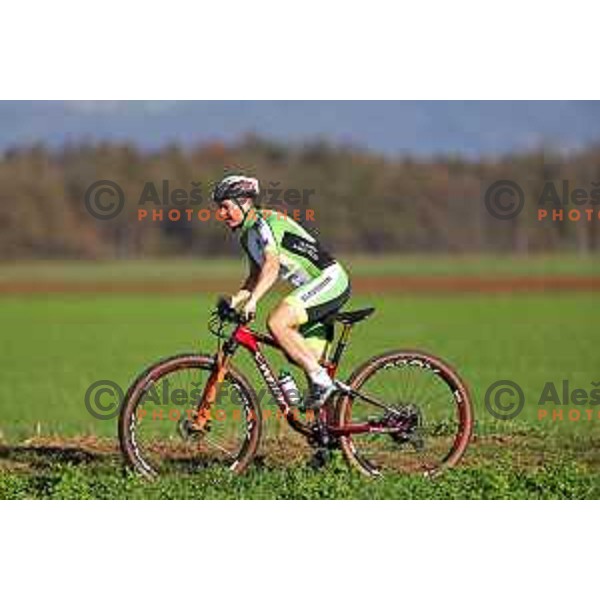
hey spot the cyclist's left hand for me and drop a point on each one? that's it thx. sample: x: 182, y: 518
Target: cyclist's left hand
x: 249, y: 310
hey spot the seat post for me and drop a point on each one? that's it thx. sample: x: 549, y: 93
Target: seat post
x: 341, y: 344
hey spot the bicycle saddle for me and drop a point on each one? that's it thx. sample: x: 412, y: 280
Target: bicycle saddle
x: 353, y: 316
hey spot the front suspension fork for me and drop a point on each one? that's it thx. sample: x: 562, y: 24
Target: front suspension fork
x: 209, y: 396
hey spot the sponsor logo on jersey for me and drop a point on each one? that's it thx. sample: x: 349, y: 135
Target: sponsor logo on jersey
x: 306, y: 248
x: 308, y: 295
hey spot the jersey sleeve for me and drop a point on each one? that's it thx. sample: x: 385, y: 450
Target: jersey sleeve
x: 268, y: 239
x: 244, y: 245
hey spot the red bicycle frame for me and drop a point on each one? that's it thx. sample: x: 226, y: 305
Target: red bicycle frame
x: 251, y: 340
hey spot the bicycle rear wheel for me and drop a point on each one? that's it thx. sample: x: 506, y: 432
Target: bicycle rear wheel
x: 429, y: 422
x: 154, y: 425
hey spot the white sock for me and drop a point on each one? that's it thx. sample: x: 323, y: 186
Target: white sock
x: 320, y: 377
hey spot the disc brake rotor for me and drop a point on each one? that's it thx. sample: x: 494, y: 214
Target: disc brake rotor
x: 191, y: 432
x: 408, y: 422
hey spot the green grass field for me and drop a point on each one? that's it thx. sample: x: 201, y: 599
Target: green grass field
x: 184, y: 269
x: 55, y: 347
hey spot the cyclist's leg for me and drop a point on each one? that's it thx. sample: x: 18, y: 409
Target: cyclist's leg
x: 318, y: 337
x: 307, y: 305
x: 284, y: 323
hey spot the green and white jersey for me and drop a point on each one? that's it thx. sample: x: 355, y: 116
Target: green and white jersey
x: 301, y: 256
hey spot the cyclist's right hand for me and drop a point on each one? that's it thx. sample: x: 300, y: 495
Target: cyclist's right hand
x: 239, y: 299
x: 226, y: 312
x: 249, y: 310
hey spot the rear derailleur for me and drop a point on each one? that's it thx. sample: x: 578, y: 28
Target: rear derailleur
x: 407, y: 425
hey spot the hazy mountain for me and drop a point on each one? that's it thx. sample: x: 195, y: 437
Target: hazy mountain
x: 470, y: 128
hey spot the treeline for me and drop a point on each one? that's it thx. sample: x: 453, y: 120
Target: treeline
x: 360, y: 202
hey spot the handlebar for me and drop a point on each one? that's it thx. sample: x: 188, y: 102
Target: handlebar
x: 224, y: 313
x: 228, y: 314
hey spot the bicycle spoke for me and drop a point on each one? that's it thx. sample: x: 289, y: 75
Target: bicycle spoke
x: 164, y: 434
x: 219, y: 447
x: 416, y: 409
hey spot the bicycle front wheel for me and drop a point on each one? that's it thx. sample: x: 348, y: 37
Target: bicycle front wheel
x: 155, y: 425
x: 427, y: 421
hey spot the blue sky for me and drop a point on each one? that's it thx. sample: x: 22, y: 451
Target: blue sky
x: 471, y: 128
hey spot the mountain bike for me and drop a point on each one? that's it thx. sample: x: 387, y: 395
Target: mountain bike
x: 401, y: 411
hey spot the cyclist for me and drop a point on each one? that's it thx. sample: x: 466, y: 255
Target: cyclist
x: 278, y: 247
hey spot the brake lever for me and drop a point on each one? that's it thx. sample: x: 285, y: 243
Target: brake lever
x: 227, y: 313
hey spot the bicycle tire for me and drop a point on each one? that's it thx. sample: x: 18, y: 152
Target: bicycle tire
x: 127, y: 417
x: 460, y: 392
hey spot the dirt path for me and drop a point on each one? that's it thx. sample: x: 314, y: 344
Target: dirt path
x: 524, y: 451
x: 395, y: 285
